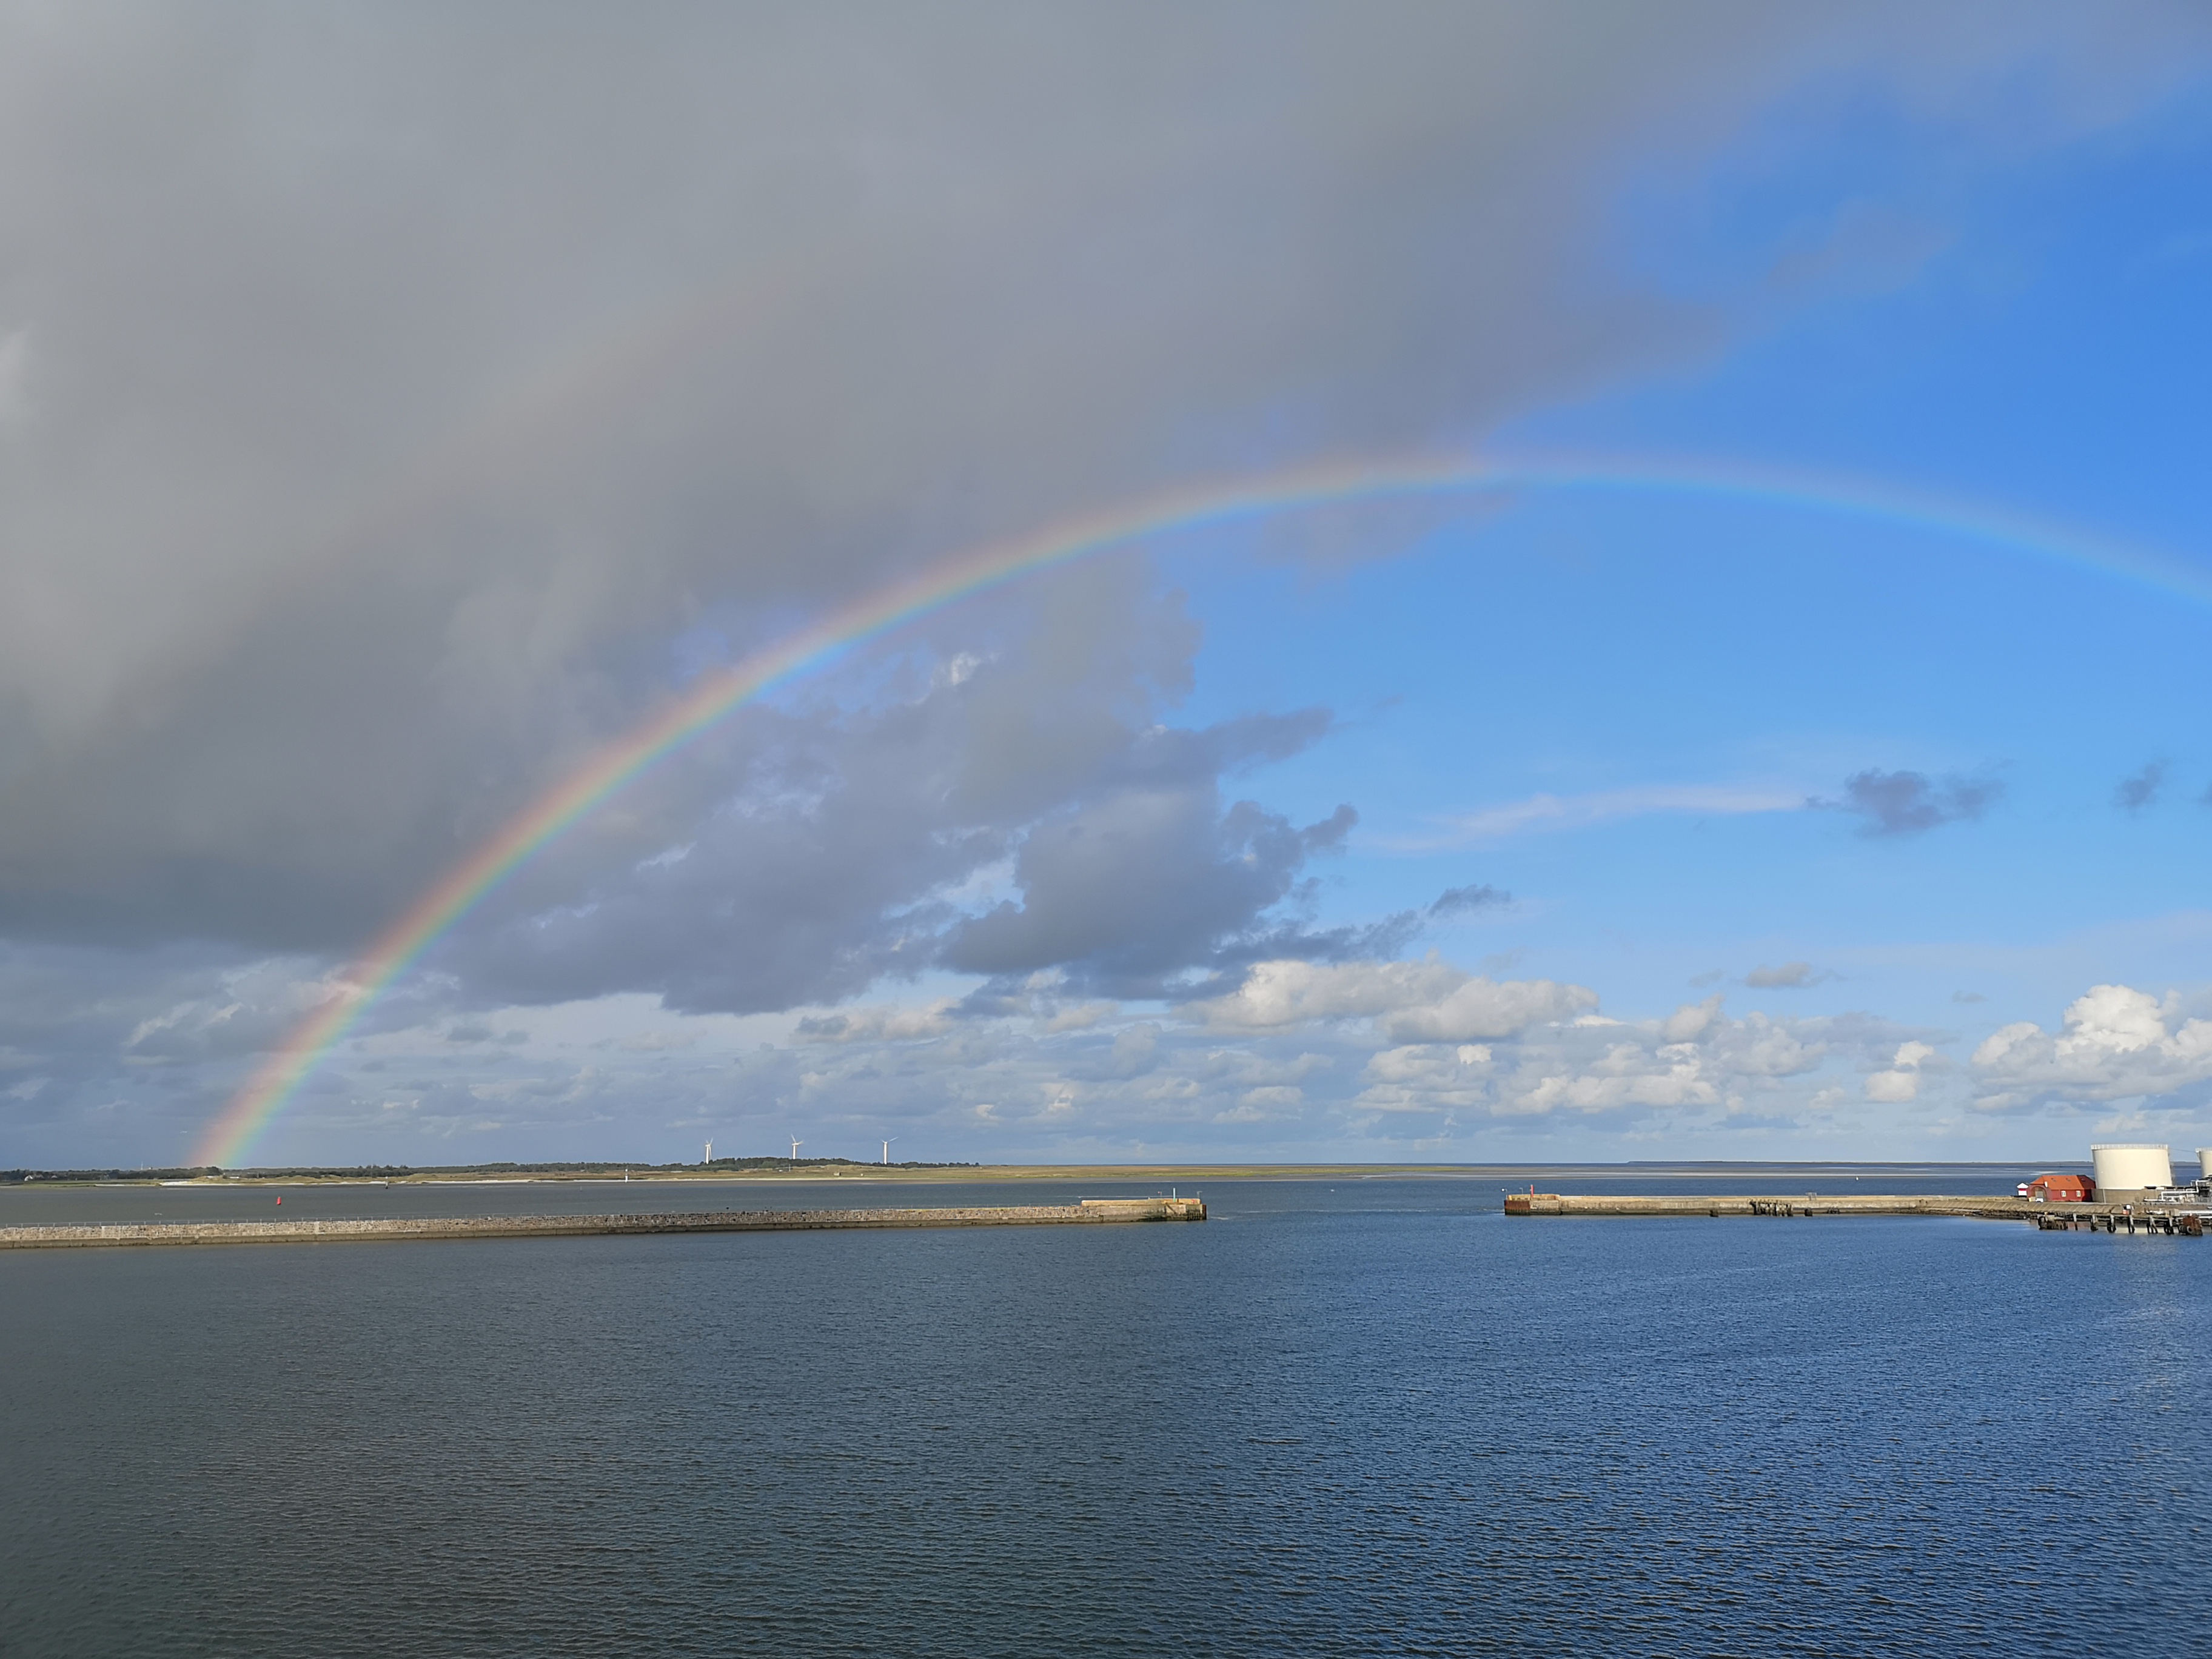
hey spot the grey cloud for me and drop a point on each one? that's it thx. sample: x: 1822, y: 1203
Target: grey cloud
x: 847, y: 851
x: 1458, y: 901
x: 368, y: 465
x: 381, y: 400
x: 876, y: 1025
x: 116, y: 1058
x: 398, y: 402
x: 1175, y: 756
x: 2138, y: 790
x: 1790, y: 976
x: 1135, y: 1053
x: 1911, y: 803
x: 1142, y: 886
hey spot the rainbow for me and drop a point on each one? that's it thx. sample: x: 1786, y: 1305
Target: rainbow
x: 714, y: 696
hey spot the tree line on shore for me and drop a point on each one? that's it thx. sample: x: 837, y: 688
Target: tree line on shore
x: 401, y: 1171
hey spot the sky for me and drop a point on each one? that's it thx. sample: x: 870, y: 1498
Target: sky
x: 1784, y: 740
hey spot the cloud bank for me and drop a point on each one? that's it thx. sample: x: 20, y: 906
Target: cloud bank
x: 390, y: 416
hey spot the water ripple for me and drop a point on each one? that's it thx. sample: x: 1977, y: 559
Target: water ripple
x: 1378, y: 1421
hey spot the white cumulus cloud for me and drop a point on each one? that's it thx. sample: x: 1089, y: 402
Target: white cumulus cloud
x: 1428, y: 1001
x: 1690, y: 1021
x: 1490, y: 1008
x: 1900, y: 1081
x: 2115, y: 1042
x: 881, y: 1022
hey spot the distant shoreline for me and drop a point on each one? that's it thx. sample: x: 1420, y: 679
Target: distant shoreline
x: 810, y: 1172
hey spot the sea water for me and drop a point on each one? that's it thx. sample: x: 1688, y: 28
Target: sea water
x: 1341, y: 1417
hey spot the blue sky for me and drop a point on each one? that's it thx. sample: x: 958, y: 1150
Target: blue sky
x: 2044, y: 354
x: 1776, y: 830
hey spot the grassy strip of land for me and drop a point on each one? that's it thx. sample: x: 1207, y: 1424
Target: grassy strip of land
x: 1834, y: 1178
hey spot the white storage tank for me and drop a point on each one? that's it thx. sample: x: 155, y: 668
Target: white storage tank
x: 2132, y: 1167
x: 2204, y: 1163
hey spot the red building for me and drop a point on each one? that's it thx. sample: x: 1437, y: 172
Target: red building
x: 2060, y: 1189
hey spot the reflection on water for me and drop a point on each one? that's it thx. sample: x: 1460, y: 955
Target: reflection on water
x: 1344, y: 1416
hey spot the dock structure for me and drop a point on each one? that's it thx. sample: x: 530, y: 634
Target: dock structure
x: 1987, y: 1206
x: 2095, y: 1218
x: 2099, y: 1218
x: 1090, y: 1212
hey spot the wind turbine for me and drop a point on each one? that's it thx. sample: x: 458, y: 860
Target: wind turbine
x: 709, y: 1159
x: 887, y: 1149
x: 796, y: 1143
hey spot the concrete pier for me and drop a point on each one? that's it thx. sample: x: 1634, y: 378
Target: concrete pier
x: 1090, y: 1212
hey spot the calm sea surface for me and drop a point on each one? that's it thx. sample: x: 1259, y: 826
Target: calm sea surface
x: 1341, y: 1417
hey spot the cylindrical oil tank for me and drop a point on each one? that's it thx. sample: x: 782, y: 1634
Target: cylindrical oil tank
x: 2204, y: 1163
x: 2132, y: 1167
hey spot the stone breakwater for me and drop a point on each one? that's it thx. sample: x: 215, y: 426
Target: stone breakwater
x: 1090, y: 1212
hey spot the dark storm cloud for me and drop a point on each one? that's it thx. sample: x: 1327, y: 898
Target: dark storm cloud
x: 383, y: 397
x: 1911, y: 803
x: 383, y: 388
x: 106, y: 1056
x: 2133, y: 793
